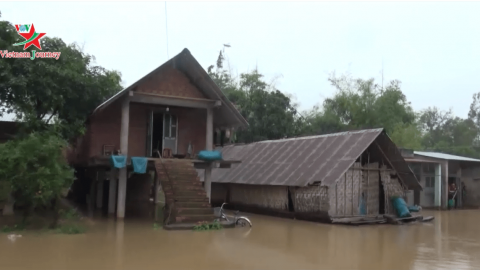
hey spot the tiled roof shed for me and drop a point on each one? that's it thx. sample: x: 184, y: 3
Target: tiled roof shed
x: 305, y: 160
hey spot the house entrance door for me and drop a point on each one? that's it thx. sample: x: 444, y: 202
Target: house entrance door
x: 161, y: 133
x: 170, y: 125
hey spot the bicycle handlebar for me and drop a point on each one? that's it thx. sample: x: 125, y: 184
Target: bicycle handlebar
x: 223, y: 205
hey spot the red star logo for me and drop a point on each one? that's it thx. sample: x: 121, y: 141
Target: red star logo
x: 32, y: 38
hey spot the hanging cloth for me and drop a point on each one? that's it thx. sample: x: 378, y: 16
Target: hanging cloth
x: 118, y: 161
x: 139, y: 164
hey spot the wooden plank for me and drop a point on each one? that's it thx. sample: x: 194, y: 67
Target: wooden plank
x: 345, y: 195
x: 368, y: 187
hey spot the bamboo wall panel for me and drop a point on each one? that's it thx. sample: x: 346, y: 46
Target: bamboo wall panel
x: 274, y: 197
x: 310, y: 199
x: 392, y: 187
x: 370, y: 187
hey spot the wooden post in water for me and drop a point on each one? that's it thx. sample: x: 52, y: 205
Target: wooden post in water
x: 112, y: 191
x: 345, y: 194
x: 352, y: 189
x: 336, y: 198
x: 100, y: 190
x: 368, y: 178
x: 360, y: 180
x: 91, y: 194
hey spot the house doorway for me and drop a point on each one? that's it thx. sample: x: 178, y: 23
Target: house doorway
x: 381, y: 196
x: 157, y: 134
x: 452, y: 194
x: 291, y: 207
x: 162, y: 133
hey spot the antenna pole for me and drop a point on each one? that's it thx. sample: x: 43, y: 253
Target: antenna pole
x: 166, y: 28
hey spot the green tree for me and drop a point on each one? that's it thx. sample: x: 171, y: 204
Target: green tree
x: 407, y: 136
x: 449, y: 134
x: 45, y: 91
x: 270, y: 113
x: 316, y: 121
x: 36, y: 169
x: 362, y: 104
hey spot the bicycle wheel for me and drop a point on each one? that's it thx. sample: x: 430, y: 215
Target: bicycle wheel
x: 243, y: 222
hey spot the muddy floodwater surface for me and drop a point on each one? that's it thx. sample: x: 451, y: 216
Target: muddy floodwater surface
x: 451, y: 241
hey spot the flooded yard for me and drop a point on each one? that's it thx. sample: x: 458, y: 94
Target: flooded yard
x: 451, y: 241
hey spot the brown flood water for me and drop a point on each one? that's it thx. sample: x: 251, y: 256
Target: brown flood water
x: 451, y: 241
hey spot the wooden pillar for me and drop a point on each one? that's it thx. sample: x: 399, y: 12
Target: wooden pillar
x: 122, y: 176
x: 209, y: 145
x: 459, y: 198
x: 100, y: 193
x: 438, y: 186
x: 155, y: 188
x: 445, y: 185
x: 91, y: 194
x: 112, y: 191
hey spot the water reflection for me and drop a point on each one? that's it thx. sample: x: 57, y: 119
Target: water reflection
x: 452, y: 241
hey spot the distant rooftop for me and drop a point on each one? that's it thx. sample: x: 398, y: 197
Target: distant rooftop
x: 445, y: 156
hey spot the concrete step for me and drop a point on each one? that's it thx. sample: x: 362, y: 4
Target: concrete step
x: 190, y: 199
x: 190, y: 193
x: 187, y: 188
x: 179, y: 178
x: 193, y: 205
x: 194, y: 218
x: 179, y: 183
x: 200, y: 194
x: 193, y: 211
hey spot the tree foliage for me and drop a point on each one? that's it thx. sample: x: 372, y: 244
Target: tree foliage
x: 270, y: 113
x: 445, y: 133
x: 360, y: 104
x: 357, y: 104
x: 35, y: 168
x: 46, y: 91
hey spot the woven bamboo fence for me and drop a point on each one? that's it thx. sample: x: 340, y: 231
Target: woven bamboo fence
x: 273, y: 197
x: 311, y: 199
x: 392, y: 188
x: 371, y: 188
x: 344, y: 196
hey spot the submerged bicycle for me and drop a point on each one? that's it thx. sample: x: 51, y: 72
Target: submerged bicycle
x: 238, y: 220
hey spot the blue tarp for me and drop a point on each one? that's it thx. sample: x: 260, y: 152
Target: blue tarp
x: 363, y: 206
x: 414, y: 208
x: 139, y: 164
x: 118, y: 161
x: 400, y: 207
x: 209, y: 155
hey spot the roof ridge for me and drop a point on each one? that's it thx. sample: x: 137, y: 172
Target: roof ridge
x: 323, y: 135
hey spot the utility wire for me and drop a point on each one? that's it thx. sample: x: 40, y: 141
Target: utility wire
x: 166, y: 28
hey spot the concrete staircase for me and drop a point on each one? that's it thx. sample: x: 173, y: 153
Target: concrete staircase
x: 184, y: 191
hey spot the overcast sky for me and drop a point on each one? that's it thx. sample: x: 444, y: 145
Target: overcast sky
x: 432, y: 47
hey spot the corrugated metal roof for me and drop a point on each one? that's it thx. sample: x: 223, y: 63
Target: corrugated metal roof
x: 283, y: 162
x: 444, y: 156
x: 226, y: 115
